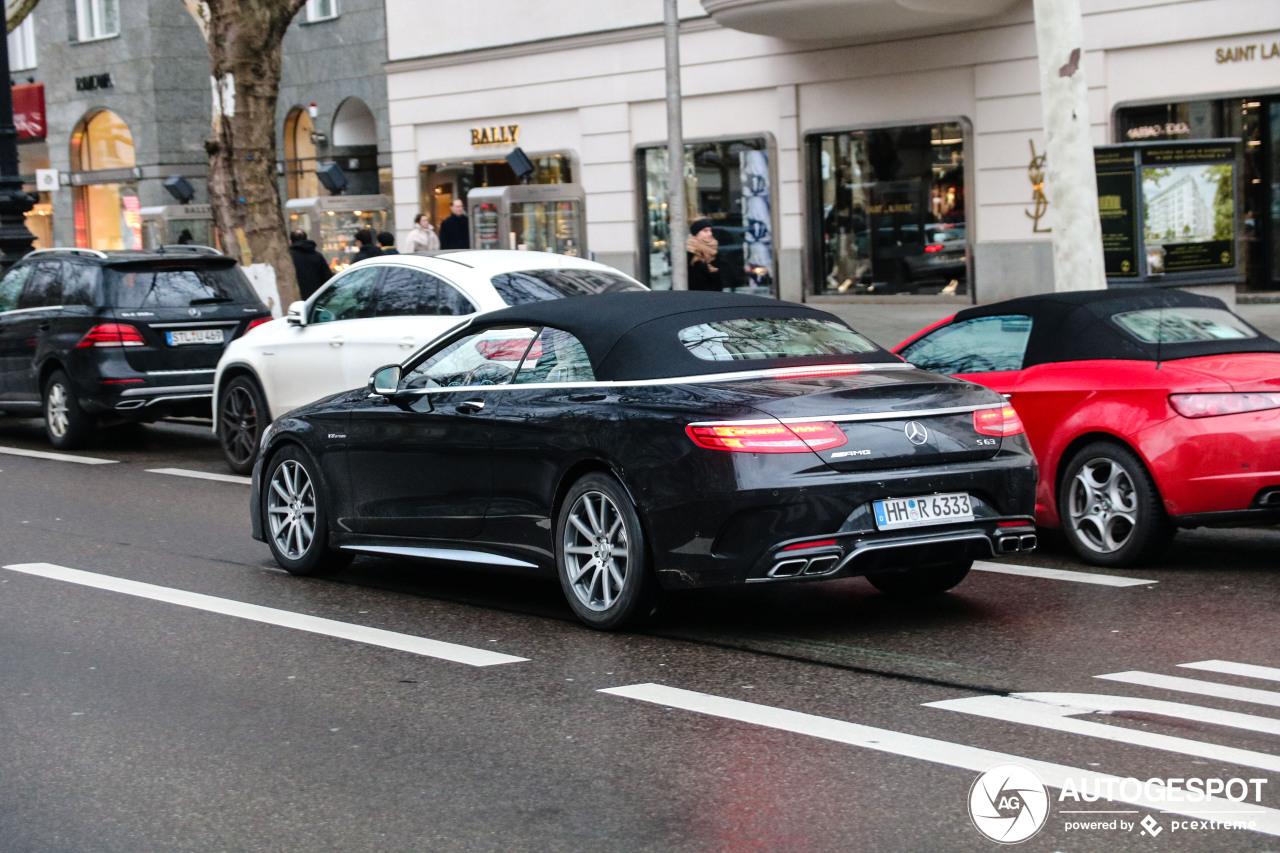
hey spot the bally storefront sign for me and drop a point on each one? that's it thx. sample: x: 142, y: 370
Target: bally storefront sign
x: 28, y: 111
x: 507, y: 134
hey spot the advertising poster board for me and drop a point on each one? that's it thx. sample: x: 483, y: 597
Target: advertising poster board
x: 1169, y: 211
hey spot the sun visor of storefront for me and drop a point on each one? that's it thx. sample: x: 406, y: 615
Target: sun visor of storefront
x: 1078, y: 326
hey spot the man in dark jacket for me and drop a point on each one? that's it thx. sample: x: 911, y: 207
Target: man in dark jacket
x: 368, y: 248
x: 387, y: 243
x: 310, y: 265
x: 455, y: 231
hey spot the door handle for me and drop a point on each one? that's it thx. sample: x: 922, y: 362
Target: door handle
x: 586, y: 398
x: 470, y: 407
x: 407, y: 342
x: 45, y: 325
x: 337, y: 341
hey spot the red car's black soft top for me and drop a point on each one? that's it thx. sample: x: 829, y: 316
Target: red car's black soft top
x: 1081, y: 325
x: 633, y: 336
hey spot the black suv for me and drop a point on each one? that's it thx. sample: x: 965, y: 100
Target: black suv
x: 90, y: 337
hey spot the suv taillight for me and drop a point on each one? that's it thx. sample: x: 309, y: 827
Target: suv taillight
x: 253, y: 324
x: 112, y: 335
x: 767, y: 438
x: 1002, y: 421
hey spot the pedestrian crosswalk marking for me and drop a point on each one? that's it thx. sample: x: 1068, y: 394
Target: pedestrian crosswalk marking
x: 201, y: 475
x: 1058, y: 574
x: 1226, y: 667
x: 56, y: 457
x: 1200, y: 688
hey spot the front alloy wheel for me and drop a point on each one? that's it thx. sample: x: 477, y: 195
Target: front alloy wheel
x: 602, y: 556
x: 296, y: 517
x: 1111, y: 512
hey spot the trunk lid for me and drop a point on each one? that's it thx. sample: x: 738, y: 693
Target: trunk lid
x: 889, y: 419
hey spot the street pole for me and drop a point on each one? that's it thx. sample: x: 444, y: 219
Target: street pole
x: 1071, y: 183
x: 15, y: 237
x: 677, y: 221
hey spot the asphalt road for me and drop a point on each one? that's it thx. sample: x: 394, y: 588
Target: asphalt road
x: 163, y: 687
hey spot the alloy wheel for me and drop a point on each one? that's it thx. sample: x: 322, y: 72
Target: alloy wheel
x: 56, y: 413
x: 291, y: 509
x: 239, y: 424
x: 1103, y: 505
x: 597, y: 551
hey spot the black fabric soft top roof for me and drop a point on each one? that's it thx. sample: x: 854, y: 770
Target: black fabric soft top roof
x: 635, y: 335
x: 1076, y: 325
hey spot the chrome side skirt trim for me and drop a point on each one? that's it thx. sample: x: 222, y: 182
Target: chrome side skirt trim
x: 442, y: 554
x: 170, y: 390
x: 179, y: 372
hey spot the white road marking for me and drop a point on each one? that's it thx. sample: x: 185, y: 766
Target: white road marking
x: 1056, y: 711
x: 1226, y: 667
x: 201, y: 475
x: 57, y: 457
x: 1192, y: 685
x: 963, y: 756
x: 1058, y: 574
x: 272, y: 616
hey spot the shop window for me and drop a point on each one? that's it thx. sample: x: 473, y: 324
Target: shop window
x: 300, y: 156
x: 22, y: 46
x: 440, y: 183
x: 97, y: 19
x: 727, y: 183
x: 321, y: 10
x: 887, y: 211
x: 106, y: 215
x: 1256, y: 122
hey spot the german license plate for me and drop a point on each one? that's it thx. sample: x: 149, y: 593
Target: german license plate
x: 895, y: 513
x: 194, y: 336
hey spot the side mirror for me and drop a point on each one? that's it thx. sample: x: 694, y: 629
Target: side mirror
x: 296, y: 315
x: 386, y: 380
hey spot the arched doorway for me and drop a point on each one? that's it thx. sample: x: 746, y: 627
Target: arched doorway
x: 107, y: 213
x: 355, y: 146
x: 300, y: 155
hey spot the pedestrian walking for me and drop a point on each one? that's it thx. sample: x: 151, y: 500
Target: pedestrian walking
x: 387, y: 243
x: 701, y: 249
x: 368, y: 248
x: 311, y: 267
x: 455, y: 231
x: 423, y: 237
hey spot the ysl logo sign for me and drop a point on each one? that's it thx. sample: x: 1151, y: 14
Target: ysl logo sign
x: 1035, y: 171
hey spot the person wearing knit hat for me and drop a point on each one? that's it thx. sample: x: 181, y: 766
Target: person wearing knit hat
x: 700, y: 250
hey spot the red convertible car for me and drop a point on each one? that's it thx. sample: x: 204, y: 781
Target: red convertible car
x: 1147, y: 409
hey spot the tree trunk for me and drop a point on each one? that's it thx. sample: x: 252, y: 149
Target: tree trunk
x: 16, y: 12
x: 244, y: 39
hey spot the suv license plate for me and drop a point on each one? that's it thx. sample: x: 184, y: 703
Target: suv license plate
x: 195, y: 336
x: 894, y: 513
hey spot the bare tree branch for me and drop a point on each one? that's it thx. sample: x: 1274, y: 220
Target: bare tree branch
x: 17, y: 11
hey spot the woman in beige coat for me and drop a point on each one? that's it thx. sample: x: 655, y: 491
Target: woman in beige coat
x: 423, y: 237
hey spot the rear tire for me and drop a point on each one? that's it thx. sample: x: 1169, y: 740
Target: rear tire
x: 602, y: 557
x: 1110, y: 509
x: 242, y: 417
x: 66, y: 424
x: 296, y: 517
x: 921, y: 580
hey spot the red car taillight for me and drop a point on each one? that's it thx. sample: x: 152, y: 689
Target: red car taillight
x: 1211, y: 405
x: 112, y: 335
x: 767, y: 438
x: 1002, y: 421
x: 934, y: 247
x: 253, y: 324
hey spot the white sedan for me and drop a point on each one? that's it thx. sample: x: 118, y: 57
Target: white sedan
x: 377, y: 312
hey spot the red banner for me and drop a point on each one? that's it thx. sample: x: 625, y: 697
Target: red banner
x: 28, y: 110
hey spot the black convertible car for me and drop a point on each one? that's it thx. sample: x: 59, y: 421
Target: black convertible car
x: 635, y: 442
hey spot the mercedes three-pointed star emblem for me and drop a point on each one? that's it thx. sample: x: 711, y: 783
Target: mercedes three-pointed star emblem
x: 916, y: 433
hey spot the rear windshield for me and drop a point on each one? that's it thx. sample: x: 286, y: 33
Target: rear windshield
x: 176, y: 288
x: 521, y: 288
x: 772, y: 337
x: 1182, y: 325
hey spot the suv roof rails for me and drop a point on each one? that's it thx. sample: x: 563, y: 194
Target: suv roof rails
x: 189, y: 247
x: 75, y: 250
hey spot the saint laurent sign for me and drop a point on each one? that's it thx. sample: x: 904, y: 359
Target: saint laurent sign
x: 1247, y: 52
x: 507, y: 134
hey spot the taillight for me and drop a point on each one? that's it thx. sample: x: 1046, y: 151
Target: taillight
x: 112, y: 335
x: 767, y: 438
x: 253, y: 324
x: 1002, y: 421
x: 934, y: 247
x: 1211, y: 405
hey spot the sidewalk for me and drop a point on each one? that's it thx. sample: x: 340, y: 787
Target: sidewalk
x: 889, y: 324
